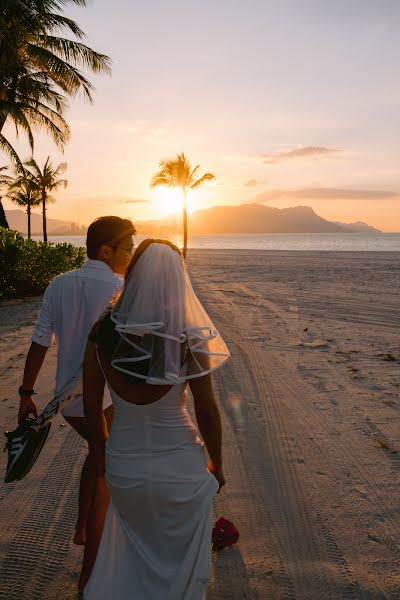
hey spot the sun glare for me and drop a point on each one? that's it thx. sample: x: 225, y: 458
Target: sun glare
x: 168, y: 201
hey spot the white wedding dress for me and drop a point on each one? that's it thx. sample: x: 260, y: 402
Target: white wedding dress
x: 156, y: 542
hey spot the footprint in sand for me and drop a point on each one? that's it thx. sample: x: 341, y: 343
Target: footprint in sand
x: 308, y: 338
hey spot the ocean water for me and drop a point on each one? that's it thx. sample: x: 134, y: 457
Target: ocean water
x: 320, y: 242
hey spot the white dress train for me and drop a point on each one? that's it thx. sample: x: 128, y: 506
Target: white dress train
x: 156, y: 542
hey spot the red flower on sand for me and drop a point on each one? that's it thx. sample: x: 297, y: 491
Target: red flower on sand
x: 224, y: 534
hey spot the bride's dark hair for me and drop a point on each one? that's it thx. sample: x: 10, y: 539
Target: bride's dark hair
x: 143, y: 246
x: 103, y: 332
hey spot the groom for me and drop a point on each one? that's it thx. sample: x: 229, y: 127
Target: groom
x: 72, y: 303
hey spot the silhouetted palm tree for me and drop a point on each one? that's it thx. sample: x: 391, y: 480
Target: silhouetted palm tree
x: 178, y: 173
x: 39, y: 69
x: 23, y: 191
x: 4, y: 182
x: 45, y: 181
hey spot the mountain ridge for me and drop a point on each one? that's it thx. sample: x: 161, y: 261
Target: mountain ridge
x: 239, y: 218
x: 249, y: 218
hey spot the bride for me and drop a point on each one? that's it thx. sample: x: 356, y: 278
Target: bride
x: 157, y: 341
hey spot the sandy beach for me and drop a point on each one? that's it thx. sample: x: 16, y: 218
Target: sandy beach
x: 310, y: 404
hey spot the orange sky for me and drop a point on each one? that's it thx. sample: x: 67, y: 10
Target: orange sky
x: 292, y: 103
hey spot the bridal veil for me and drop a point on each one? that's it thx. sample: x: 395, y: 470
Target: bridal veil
x: 165, y: 334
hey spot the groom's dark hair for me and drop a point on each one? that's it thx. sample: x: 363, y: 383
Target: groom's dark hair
x: 107, y: 230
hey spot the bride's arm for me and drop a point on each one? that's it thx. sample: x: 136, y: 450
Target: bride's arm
x: 209, y: 423
x: 93, y: 392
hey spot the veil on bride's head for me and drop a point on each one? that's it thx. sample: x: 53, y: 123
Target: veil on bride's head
x: 164, y: 335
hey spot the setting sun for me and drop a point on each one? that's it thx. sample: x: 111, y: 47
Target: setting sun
x: 167, y: 201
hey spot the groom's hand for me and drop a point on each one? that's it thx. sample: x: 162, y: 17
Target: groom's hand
x: 27, y: 407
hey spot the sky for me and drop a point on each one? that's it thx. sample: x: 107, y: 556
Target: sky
x: 288, y: 102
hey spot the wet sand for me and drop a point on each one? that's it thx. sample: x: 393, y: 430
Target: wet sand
x: 310, y: 404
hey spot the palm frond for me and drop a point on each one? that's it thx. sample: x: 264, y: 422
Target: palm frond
x: 38, y: 88
x: 59, y: 3
x: 67, y: 77
x: 206, y: 177
x: 192, y: 178
x: 9, y: 150
x: 58, y: 184
x: 23, y: 194
x: 5, y: 180
x: 46, y: 179
x: 33, y: 166
x: 20, y: 121
x: 17, y: 198
x: 178, y: 172
x: 76, y: 53
x: 60, y: 170
x: 160, y: 179
x: 56, y: 21
x: 59, y: 131
x: 54, y: 115
x: 19, y: 16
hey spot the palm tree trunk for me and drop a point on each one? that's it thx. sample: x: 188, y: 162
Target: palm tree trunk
x: 3, y: 218
x: 44, y: 217
x: 3, y: 119
x: 184, y: 222
x: 5, y: 97
x: 28, y: 210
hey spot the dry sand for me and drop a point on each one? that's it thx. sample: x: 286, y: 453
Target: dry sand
x: 310, y: 404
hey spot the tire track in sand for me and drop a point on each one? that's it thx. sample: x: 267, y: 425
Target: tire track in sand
x: 322, y: 546
x: 40, y: 561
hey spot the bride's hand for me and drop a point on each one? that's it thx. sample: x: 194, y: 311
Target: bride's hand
x: 219, y: 476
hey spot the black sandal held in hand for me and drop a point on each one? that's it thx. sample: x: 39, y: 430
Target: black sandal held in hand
x: 24, y: 445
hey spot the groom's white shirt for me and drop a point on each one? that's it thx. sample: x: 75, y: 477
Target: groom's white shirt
x: 71, y: 305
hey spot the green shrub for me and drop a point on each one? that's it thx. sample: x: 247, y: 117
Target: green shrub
x: 27, y: 267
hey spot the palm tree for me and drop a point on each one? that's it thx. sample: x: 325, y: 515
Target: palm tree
x: 39, y: 69
x: 23, y: 191
x: 4, y: 181
x: 45, y: 181
x: 178, y: 173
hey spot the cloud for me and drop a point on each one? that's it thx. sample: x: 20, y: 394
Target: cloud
x: 325, y: 194
x: 301, y: 152
x: 254, y: 182
x: 135, y: 201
